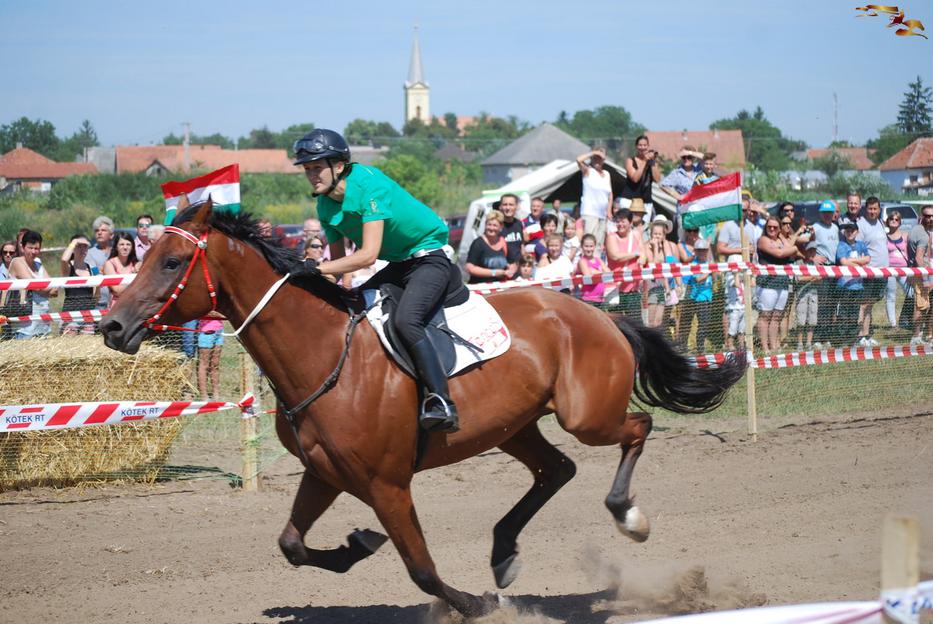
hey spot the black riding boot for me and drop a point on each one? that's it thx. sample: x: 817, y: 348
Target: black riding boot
x: 438, y: 412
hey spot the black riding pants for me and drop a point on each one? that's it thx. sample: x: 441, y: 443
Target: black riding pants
x: 426, y: 282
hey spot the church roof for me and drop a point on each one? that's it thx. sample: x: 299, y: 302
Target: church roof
x: 542, y: 145
x: 415, y: 71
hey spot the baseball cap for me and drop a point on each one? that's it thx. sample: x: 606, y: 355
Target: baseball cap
x: 828, y: 206
x: 847, y: 225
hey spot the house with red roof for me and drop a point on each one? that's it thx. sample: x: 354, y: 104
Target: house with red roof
x: 910, y: 170
x: 858, y: 157
x: 728, y: 145
x: 22, y: 168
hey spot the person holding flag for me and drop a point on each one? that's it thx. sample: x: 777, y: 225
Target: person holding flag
x: 385, y: 222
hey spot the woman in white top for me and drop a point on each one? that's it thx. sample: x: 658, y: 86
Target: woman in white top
x: 29, y: 266
x: 597, y: 193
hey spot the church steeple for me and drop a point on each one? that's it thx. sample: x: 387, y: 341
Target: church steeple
x: 417, y: 91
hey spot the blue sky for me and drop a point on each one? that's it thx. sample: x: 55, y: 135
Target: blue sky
x: 138, y: 70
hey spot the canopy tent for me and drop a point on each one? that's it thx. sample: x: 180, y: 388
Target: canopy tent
x: 559, y: 179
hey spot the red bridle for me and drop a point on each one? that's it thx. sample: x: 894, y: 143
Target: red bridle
x: 200, y: 253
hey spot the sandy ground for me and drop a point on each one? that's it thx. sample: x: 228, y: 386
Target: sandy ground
x: 792, y: 518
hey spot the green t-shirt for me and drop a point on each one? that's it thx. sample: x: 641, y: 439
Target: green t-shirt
x: 371, y: 195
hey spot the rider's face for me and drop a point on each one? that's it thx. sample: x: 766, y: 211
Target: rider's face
x: 321, y: 175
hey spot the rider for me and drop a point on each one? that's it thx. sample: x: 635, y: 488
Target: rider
x: 384, y: 222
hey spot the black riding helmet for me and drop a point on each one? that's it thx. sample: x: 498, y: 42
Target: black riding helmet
x: 323, y: 144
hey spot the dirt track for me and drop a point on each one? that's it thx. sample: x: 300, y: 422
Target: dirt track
x: 793, y: 518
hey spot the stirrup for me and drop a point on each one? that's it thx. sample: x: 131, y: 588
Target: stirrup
x: 434, y: 420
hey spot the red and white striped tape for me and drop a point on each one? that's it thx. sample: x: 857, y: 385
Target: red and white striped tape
x: 68, y: 415
x: 66, y: 282
x: 812, y: 358
x: 82, y: 316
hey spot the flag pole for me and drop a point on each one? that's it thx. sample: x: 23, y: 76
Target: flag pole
x: 749, y: 335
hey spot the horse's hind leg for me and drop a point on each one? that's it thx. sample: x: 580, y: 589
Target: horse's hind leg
x: 551, y: 470
x: 395, y: 509
x: 629, y: 519
x: 313, y: 498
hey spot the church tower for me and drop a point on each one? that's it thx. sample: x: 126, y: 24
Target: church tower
x: 417, y: 91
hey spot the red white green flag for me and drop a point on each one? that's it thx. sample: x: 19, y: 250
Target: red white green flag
x: 222, y: 186
x: 719, y: 200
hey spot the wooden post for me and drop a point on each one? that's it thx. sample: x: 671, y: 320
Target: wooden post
x: 248, y: 427
x: 751, y: 401
x: 900, y: 561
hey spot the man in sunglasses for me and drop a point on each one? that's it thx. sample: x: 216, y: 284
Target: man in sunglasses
x: 385, y: 222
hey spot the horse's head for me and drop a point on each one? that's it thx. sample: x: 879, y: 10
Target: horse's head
x: 166, y: 264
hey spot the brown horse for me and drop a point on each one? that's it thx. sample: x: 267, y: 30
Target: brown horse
x: 360, y: 436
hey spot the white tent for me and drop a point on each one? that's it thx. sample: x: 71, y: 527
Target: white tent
x: 559, y: 179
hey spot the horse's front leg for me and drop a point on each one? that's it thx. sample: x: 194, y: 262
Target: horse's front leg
x: 313, y: 498
x: 396, y: 511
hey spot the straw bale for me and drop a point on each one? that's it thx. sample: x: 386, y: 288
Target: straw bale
x: 81, y: 368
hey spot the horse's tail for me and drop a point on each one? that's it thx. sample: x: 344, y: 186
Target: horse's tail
x: 668, y: 379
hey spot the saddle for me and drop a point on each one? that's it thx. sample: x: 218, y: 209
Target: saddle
x: 464, y: 330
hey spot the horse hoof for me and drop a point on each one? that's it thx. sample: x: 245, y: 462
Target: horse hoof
x: 636, y: 525
x: 369, y: 540
x: 507, y: 571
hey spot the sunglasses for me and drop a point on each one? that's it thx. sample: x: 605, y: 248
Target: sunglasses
x: 9, y: 252
x: 316, y: 246
x: 771, y: 227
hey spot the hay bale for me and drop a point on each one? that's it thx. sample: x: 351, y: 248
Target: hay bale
x: 81, y: 368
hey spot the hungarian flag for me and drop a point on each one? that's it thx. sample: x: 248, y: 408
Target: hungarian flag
x: 223, y: 186
x: 720, y: 200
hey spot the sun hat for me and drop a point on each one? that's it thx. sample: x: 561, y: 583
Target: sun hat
x: 662, y: 220
x: 701, y: 244
x: 637, y: 205
x: 828, y: 206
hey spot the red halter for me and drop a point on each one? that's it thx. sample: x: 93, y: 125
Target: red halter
x: 199, y: 253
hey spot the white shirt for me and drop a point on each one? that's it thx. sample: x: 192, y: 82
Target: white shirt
x: 596, y: 190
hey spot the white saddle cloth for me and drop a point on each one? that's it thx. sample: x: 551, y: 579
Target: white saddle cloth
x: 475, y: 321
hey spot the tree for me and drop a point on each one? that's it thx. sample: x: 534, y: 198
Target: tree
x: 364, y: 132
x: 765, y: 146
x: 201, y: 139
x: 832, y: 163
x: 73, y: 147
x: 889, y: 142
x: 37, y: 135
x: 450, y: 120
x: 914, y: 115
x: 488, y: 134
x: 610, y: 125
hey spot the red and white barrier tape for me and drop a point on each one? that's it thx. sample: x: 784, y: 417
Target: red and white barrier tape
x: 66, y: 282
x: 82, y: 316
x: 812, y: 358
x: 69, y: 415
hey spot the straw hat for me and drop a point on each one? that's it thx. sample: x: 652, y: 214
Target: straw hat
x: 637, y: 205
x: 662, y: 220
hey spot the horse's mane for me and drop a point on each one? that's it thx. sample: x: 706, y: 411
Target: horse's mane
x: 243, y: 227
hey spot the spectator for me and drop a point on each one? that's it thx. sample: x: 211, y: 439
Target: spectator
x: 596, y: 199
x: 791, y: 237
x: 708, y: 173
x: 591, y: 264
x: 641, y: 170
x: 143, y: 242
x: 9, y: 252
x: 122, y: 261
x: 156, y: 231
x: 265, y: 228
x: 772, y: 290
x: 872, y: 232
x: 807, y: 302
x: 787, y: 210
x: 623, y: 250
x: 547, y: 226
x: 897, y: 258
x: 571, y: 240
x: 853, y: 206
x: 680, y: 180
x: 98, y: 255
x: 826, y: 236
x: 210, y: 348
x: 554, y: 264
x: 637, y: 208
x: 490, y: 259
x: 919, y: 248
x: 314, y: 248
x: 662, y: 294
x: 852, y: 252
x: 555, y: 207
x: 729, y: 249
x: 74, y: 264
x: 531, y: 225
x: 511, y: 227
x: 699, y: 300
x: 526, y: 268
x: 29, y: 266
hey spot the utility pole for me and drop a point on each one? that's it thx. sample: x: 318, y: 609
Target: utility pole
x: 835, y: 117
x: 187, y: 144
